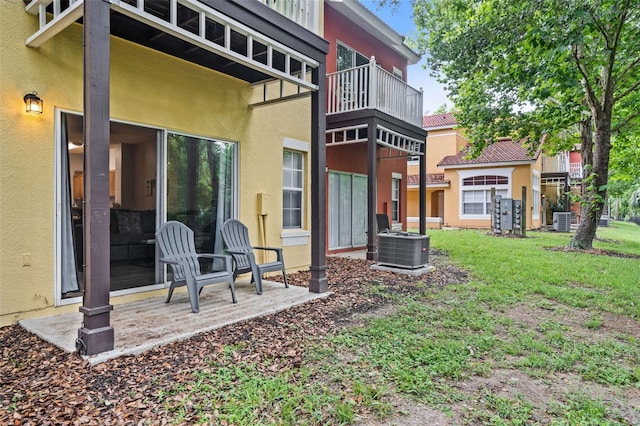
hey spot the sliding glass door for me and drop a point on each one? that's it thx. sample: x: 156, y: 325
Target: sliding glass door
x: 201, y: 176
x: 196, y: 185
x: 347, y: 210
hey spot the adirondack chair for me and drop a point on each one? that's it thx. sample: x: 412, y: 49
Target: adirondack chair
x: 178, y: 251
x: 236, y: 240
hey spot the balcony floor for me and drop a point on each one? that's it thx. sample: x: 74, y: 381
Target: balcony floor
x: 148, y: 323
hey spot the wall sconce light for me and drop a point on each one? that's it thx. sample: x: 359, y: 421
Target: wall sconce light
x: 33, y: 103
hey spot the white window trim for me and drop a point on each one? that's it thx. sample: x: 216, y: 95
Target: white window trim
x: 396, y: 177
x: 297, y: 236
x: 536, y: 212
x: 397, y: 72
x: 463, y: 174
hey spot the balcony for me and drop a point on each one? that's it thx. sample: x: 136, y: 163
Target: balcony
x: 560, y: 164
x: 371, y: 87
x: 202, y: 32
x: 303, y: 12
x: 575, y: 170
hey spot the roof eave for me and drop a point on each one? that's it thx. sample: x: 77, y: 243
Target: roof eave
x: 375, y: 26
x: 484, y: 165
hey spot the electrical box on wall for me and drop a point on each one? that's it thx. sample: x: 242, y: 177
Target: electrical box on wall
x: 264, y: 203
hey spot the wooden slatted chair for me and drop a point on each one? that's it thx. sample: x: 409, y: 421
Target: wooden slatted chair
x: 178, y: 250
x: 236, y: 240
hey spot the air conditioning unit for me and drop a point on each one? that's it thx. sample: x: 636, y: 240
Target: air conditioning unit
x: 403, y: 250
x: 562, y: 221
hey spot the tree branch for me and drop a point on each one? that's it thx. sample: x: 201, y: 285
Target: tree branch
x: 591, y: 97
x: 601, y: 27
x: 626, y: 121
x: 608, y: 98
x: 633, y: 87
x: 632, y: 66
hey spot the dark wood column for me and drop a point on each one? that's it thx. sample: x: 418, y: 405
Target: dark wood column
x: 318, y: 282
x: 422, y: 200
x: 96, y: 334
x: 372, y: 191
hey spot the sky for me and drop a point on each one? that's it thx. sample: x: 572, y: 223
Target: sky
x: 401, y: 20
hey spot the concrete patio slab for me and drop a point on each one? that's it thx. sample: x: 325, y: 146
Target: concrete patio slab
x: 144, y: 324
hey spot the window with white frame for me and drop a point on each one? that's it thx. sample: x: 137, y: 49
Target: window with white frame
x: 292, y: 189
x: 395, y: 199
x: 535, y: 195
x: 347, y: 57
x: 475, y: 191
x: 397, y: 72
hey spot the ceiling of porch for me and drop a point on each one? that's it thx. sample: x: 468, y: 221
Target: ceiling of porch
x: 246, y: 40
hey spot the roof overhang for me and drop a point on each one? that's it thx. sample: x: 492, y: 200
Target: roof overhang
x: 368, y: 21
x: 485, y: 165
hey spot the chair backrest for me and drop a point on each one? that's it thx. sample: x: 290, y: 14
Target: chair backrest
x: 383, y: 222
x: 176, y: 241
x: 236, y: 238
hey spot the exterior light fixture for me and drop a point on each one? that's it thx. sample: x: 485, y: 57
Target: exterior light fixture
x: 33, y: 103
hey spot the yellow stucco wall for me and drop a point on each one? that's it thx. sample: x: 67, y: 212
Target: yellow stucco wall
x: 521, y: 176
x: 441, y: 143
x: 147, y: 87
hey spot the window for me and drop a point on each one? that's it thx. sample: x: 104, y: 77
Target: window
x: 475, y: 191
x: 347, y: 57
x: 397, y: 73
x: 292, y: 189
x: 395, y: 200
x: 535, y: 203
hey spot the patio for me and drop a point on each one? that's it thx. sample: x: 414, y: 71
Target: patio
x: 148, y: 323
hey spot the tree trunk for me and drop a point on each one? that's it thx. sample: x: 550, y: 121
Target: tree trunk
x: 595, y: 160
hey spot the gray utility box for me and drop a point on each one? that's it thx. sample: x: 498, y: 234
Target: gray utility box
x: 403, y: 250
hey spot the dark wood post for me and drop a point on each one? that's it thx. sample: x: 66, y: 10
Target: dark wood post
x: 96, y: 334
x: 372, y: 191
x: 422, y: 185
x: 318, y: 282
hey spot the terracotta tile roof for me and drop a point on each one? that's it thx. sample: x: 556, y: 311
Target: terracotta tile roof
x: 438, y: 120
x: 503, y: 151
x: 432, y: 179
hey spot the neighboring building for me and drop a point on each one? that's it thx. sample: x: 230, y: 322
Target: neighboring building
x: 505, y: 166
x: 458, y: 188
x: 443, y: 139
x: 374, y: 122
x: 193, y: 111
x: 561, y: 176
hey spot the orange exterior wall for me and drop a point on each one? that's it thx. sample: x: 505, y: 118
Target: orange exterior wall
x: 521, y: 176
x: 337, y: 27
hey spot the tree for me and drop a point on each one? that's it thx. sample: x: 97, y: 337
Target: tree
x: 524, y: 68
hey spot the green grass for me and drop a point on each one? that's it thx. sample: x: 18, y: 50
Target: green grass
x: 438, y: 340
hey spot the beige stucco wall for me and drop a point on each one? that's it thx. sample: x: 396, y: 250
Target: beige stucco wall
x: 147, y: 88
x: 521, y: 176
x: 441, y: 143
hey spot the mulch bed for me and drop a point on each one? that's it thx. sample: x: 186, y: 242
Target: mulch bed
x: 43, y: 385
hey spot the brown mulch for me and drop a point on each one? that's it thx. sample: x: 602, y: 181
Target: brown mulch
x: 41, y: 384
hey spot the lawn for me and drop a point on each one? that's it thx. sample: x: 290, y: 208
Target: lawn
x: 505, y: 331
x: 535, y: 336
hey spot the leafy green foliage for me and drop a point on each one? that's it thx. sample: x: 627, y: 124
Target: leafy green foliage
x: 524, y: 69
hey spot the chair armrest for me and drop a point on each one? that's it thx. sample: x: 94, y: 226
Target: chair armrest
x: 170, y: 261
x: 226, y: 258
x: 232, y: 252
x: 275, y: 249
x: 213, y: 256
